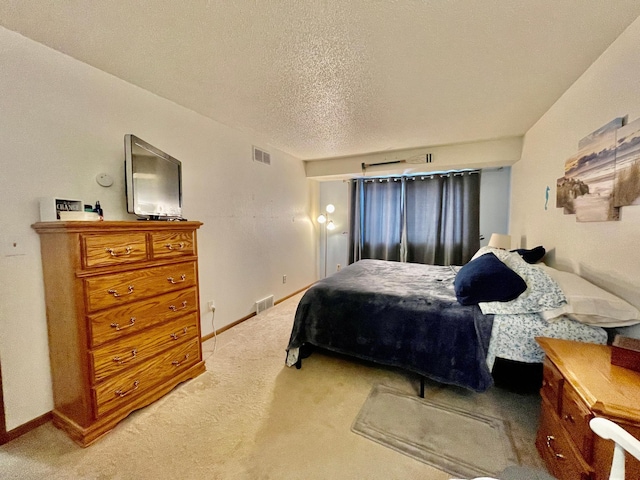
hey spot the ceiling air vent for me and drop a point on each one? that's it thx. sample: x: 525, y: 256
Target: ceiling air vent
x: 261, y: 156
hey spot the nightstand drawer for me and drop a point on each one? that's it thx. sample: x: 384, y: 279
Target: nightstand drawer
x: 575, y: 418
x: 554, y: 446
x: 552, y: 381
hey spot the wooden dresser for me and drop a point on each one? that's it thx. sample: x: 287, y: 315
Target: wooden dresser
x: 123, y: 317
x: 580, y: 383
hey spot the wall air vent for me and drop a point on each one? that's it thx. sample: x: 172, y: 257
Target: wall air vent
x: 261, y: 156
x: 262, y: 305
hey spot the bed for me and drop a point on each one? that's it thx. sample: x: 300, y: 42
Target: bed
x: 410, y: 316
x: 397, y: 314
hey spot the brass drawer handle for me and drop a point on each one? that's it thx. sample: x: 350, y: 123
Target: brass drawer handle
x: 183, y: 277
x: 120, y: 393
x: 177, y: 363
x: 550, y: 440
x: 116, y: 294
x: 175, y: 336
x: 170, y: 246
x: 117, y: 326
x: 119, y: 361
x: 114, y: 253
x: 173, y: 308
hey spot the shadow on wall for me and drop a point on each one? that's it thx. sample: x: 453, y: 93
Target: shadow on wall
x: 623, y: 290
x: 611, y: 284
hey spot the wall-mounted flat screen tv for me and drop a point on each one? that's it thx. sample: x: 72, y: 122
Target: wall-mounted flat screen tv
x: 153, y: 181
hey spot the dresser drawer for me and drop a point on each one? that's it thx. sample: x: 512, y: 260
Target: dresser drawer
x: 552, y: 381
x: 121, y: 389
x: 563, y: 461
x: 113, y: 249
x: 172, y: 244
x: 575, y: 418
x: 117, y: 289
x: 131, y: 318
x: 135, y: 349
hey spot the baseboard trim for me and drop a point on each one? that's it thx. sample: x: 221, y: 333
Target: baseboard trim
x: 251, y: 315
x: 6, y: 437
x: 292, y: 294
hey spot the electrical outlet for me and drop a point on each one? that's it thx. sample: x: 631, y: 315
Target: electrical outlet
x: 211, y: 305
x: 284, y: 279
x: 338, y: 267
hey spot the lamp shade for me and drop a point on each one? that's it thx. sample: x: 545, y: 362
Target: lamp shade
x: 499, y: 240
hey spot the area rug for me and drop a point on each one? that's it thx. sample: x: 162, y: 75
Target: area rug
x: 463, y: 444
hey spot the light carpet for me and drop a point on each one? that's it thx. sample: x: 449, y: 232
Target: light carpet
x: 464, y: 444
x: 251, y: 417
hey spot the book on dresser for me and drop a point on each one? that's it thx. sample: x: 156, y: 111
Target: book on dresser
x: 580, y: 383
x: 123, y: 317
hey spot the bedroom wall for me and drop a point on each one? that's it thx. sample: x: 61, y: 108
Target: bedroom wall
x: 62, y: 123
x: 604, y: 252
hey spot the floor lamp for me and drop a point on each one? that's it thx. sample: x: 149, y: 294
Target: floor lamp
x: 328, y: 224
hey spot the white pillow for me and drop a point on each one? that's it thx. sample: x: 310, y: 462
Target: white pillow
x: 501, y: 253
x: 590, y: 304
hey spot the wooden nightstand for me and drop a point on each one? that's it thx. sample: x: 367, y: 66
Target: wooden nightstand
x: 579, y: 383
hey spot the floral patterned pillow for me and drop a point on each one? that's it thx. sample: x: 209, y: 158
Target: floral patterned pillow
x: 542, y: 292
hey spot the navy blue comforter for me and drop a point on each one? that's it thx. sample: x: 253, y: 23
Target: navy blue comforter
x: 398, y: 314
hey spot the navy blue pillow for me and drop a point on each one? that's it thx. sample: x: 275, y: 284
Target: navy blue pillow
x: 531, y: 256
x: 487, y: 279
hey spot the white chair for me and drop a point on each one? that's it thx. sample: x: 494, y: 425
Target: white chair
x: 624, y: 442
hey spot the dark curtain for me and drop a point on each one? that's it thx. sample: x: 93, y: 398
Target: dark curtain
x: 443, y: 218
x: 376, y: 219
x: 431, y: 219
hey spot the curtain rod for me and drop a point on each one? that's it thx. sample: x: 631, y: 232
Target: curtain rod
x: 455, y: 173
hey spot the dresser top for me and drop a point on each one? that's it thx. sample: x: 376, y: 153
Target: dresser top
x: 608, y: 390
x: 113, y: 226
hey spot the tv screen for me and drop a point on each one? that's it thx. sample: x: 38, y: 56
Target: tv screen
x: 153, y: 181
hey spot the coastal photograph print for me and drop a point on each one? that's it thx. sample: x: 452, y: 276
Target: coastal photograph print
x: 627, y: 178
x: 589, y: 177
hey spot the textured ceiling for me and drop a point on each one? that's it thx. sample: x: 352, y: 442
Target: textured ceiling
x: 327, y: 78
